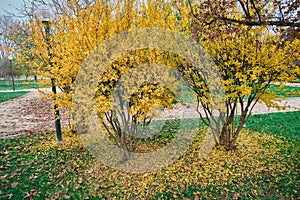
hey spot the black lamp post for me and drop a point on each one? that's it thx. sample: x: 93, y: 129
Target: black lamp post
x: 11, y: 71
x: 44, y: 16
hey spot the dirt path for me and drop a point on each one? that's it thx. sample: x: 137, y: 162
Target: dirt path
x: 189, y: 111
x: 28, y: 114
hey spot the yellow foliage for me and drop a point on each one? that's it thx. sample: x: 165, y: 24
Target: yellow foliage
x: 75, y: 34
x: 247, y: 58
x: 258, y: 155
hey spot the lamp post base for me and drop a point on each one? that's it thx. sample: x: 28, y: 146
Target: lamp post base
x: 57, y: 115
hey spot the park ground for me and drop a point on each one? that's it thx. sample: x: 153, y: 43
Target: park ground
x: 34, y: 166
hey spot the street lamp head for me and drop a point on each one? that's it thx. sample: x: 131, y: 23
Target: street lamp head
x: 10, y: 58
x: 44, y: 14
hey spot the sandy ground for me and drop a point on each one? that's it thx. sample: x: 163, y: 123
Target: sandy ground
x: 29, y: 114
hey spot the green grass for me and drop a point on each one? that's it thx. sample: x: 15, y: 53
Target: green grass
x: 283, y: 124
x: 5, y: 96
x: 297, y: 81
x: 19, y: 84
x: 188, y: 96
x: 26, y: 170
x: 287, y: 91
x: 34, y: 166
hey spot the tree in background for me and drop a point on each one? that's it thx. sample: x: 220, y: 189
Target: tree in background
x: 14, y: 39
x: 7, y: 46
x: 249, y: 57
x: 273, y: 13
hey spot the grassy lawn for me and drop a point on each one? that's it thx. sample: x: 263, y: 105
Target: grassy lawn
x: 19, y: 84
x: 5, y: 96
x: 265, y: 166
x: 287, y: 91
x: 286, y: 124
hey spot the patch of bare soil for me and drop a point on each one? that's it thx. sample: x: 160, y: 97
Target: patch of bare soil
x: 27, y: 114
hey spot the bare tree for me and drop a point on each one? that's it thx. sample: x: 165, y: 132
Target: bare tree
x: 277, y: 13
x: 7, y: 46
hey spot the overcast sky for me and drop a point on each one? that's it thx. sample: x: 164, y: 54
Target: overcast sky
x: 9, y: 5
